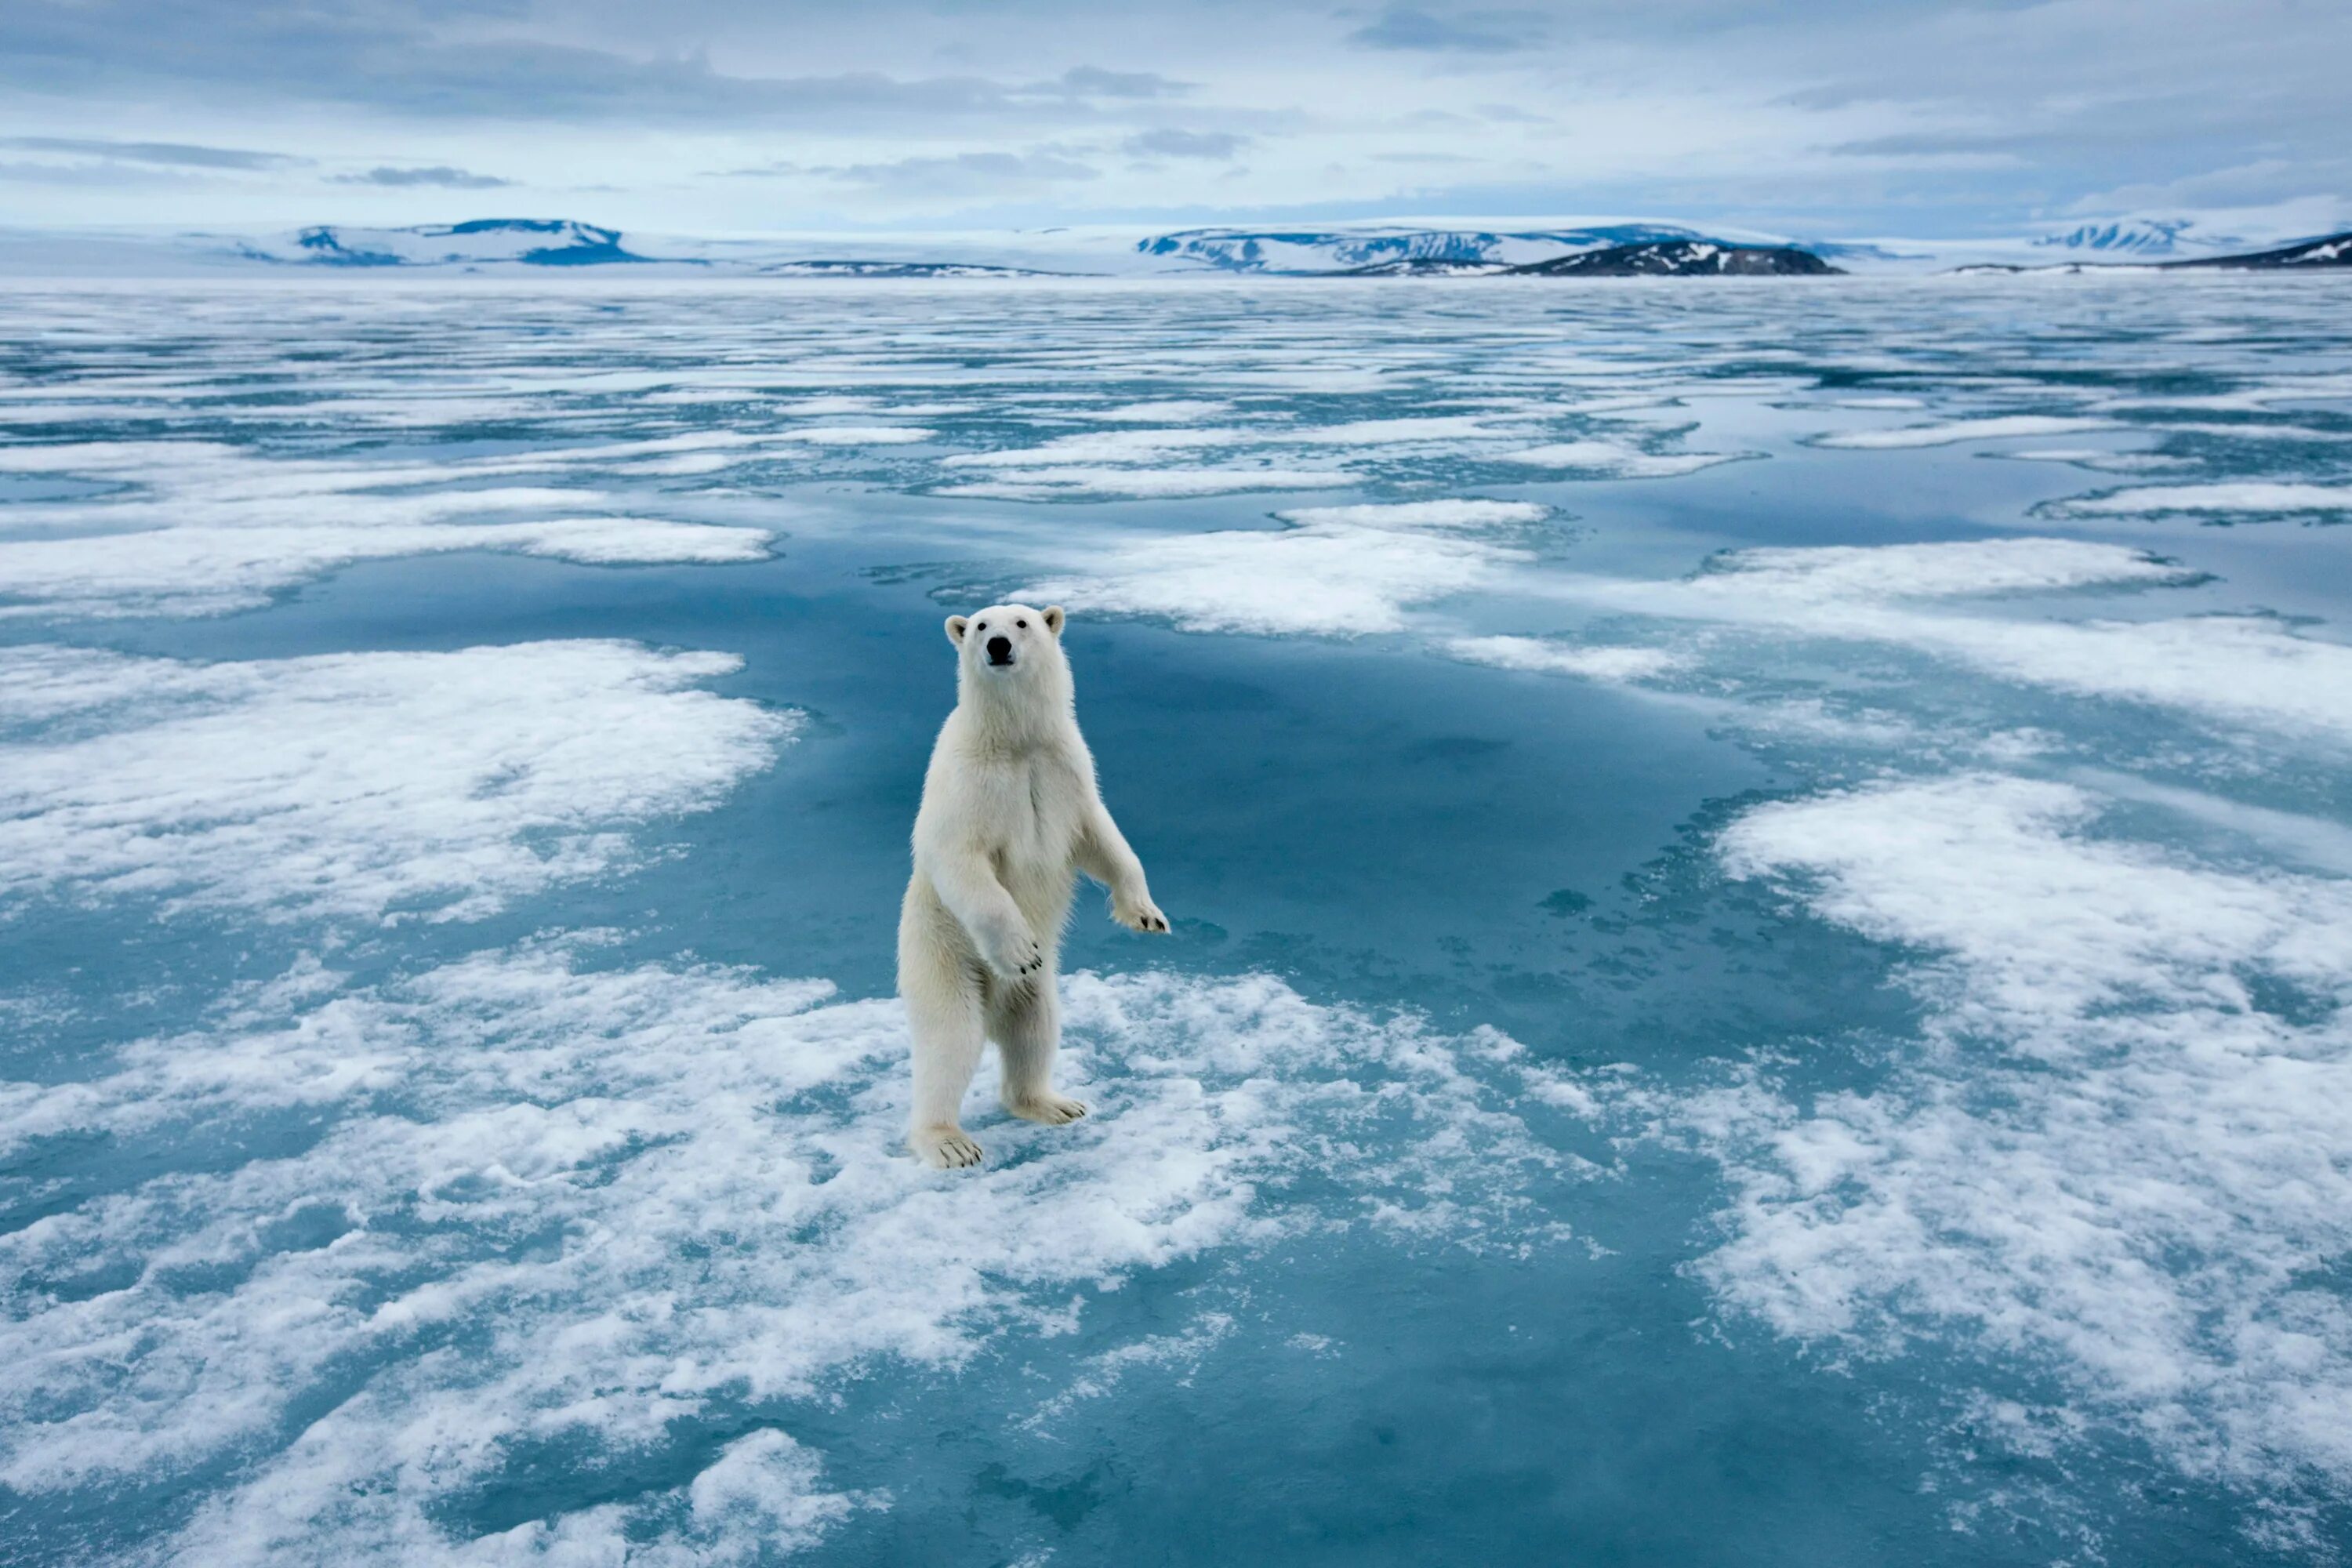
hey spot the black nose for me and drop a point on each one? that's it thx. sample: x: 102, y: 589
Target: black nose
x: 1000, y: 650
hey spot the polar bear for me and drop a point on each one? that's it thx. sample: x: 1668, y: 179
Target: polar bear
x: 1010, y: 812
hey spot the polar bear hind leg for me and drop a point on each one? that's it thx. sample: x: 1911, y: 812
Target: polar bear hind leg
x: 1024, y: 1019
x: 944, y: 1014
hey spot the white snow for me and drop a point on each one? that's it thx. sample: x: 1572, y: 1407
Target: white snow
x: 641, y: 1196
x: 2232, y: 669
x: 1336, y: 571
x: 205, y: 527
x: 1080, y: 482
x: 1612, y: 460
x: 2114, y: 1158
x: 359, y: 785
x: 1995, y: 428
x: 2253, y: 496
x: 859, y: 435
x: 1941, y: 570
x: 1437, y: 514
x: 1607, y: 664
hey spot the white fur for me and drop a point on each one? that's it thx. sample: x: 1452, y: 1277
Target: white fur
x: 1010, y: 813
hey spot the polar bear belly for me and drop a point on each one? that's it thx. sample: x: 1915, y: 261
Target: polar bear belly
x: 1035, y: 859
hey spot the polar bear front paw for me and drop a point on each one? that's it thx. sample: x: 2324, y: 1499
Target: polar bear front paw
x: 943, y: 1148
x: 1015, y: 954
x: 1052, y: 1109
x: 1139, y: 914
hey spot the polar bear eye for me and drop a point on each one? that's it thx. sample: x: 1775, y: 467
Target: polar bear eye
x: 1022, y: 624
x: 982, y: 627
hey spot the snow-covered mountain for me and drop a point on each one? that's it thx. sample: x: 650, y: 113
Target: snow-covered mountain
x: 531, y: 242
x: 1398, y: 248
x: 2331, y: 251
x: 887, y: 268
x: 2123, y: 236
x: 1434, y: 247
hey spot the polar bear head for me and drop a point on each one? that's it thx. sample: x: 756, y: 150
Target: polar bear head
x: 1009, y: 648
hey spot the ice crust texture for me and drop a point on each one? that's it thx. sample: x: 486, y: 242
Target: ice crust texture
x: 430, y: 1170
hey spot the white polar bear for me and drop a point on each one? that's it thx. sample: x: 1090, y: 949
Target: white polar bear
x: 1010, y: 812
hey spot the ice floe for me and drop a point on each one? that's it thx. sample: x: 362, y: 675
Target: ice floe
x: 1438, y: 514
x: 1940, y: 570
x: 1997, y: 428
x: 2119, y: 1157
x: 2235, y: 669
x: 2253, y: 496
x: 617, y: 1209
x: 1334, y: 572
x: 1611, y: 459
x: 1612, y: 664
x: 204, y: 529
x: 359, y: 784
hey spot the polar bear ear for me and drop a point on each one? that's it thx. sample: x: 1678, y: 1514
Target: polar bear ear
x: 1054, y: 617
x: 956, y: 625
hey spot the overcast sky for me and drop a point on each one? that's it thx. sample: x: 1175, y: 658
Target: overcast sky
x: 1840, y: 117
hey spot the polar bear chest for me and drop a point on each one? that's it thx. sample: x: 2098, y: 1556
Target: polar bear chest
x: 1033, y: 807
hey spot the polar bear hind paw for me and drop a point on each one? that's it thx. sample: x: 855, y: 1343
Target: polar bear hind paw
x: 944, y: 1147
x: 1052, y: 1109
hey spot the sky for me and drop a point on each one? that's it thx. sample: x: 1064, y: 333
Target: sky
x: 740, y: 116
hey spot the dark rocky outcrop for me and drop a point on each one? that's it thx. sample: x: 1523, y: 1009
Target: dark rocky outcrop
x: 1681, y: 258
x: 2335, y: 250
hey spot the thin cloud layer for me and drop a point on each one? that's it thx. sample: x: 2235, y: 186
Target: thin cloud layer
x: 440, y: 174
x: 1934, y: 119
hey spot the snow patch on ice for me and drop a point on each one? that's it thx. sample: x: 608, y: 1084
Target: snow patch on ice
x: 1098, y: 483
x: 1611, y: 459
x: 1608, y: 664
x: 359, y: 784
x: 645, y: 1201
x: 1335, y: 571
x: 202, y: 530
x: 1437, y: 514
x: 1942, y: 570
x: 2251, y: 496
x: 860, y: 434
x: 2238, y: 669
x: 2000, y: 427
x: 2120, y: 1155
x: 1168, y: 410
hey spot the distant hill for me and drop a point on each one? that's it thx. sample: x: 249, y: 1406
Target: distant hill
x: 900, y: 269
x: 1682, y: 258
x: 2321, y: 255
x: 2334, y: 250
x: 1374, y: 251
x: 533, y: 242
x: 1564, y: 247
x: 2124, y: 236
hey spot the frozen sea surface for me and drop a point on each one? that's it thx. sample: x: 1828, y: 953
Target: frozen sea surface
x: 1763, y: 881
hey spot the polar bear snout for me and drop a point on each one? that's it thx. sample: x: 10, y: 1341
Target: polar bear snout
x: 1000, y: 650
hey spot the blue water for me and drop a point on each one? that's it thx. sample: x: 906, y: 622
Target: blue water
x: 1698, y: 1030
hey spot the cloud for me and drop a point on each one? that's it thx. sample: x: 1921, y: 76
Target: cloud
x: 1172, y: 143
x: 165, y: 154
x: 960, y: 174
x: 1936, y: 144
x: 1831, y: 117
x: 440, y: 174
x: 388, y: 58
x: 1092, y: 81
x: 1471, y: 32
